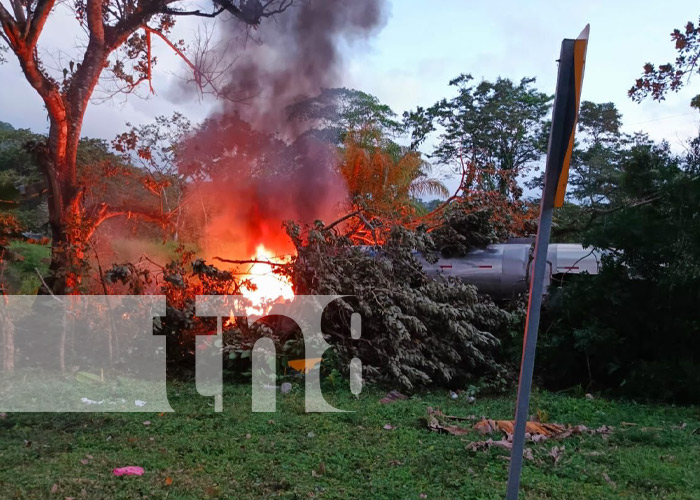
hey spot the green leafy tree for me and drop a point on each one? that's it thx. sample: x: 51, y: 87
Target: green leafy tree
x: 596, y: 159
x: 491, y: 131
x: 632, y: 329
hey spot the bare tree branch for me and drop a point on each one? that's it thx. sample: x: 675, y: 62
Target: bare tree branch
x: 198, y: 13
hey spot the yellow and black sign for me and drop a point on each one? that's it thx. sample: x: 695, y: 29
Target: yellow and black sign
x: 567, y: 100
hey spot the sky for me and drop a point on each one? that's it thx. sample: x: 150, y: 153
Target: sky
x: 421, y: 47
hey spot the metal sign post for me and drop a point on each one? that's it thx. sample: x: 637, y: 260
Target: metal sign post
x: 561, y: 142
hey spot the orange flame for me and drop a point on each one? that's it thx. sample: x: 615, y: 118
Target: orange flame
x: 231, y: 319
x: 270, y: 288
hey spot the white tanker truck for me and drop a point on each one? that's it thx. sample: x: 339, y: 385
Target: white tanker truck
x: 503, y: 270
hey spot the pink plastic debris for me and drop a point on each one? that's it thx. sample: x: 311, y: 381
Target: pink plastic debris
x: 130, y: 470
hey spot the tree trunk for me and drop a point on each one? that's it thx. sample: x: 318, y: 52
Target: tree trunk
x: 65, y: 207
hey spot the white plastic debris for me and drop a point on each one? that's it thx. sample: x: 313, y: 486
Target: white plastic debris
x: 140, y: 403
x: 286, y: 388
x: 90, y: 401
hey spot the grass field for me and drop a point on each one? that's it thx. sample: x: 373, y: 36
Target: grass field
x: 20, y: 276
x: 196, y: 453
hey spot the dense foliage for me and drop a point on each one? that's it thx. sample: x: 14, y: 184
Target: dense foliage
x: 415, y: 331
x: 633, y: 328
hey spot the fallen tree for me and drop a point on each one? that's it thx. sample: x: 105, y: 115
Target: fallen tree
x: 415, y: 331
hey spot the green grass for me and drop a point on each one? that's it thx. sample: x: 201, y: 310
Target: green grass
x: 241, y: 455
x: 21, y: 275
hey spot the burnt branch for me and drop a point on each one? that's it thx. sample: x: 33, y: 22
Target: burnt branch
x: 198, y: 13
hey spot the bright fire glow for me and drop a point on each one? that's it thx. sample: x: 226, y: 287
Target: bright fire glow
x: 270, y: 287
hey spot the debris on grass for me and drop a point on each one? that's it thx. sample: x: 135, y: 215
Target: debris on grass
x: 487, y: 426
x: 392, y: 397
x: 608, y: 480
x: 129, y: 470
x: 389, y: 427
x: 485, y: 445
x: 534, y: 431
x: 320, y: 471
x: 88, y: 401
x: 556, y: 453
x: 434, y: 424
